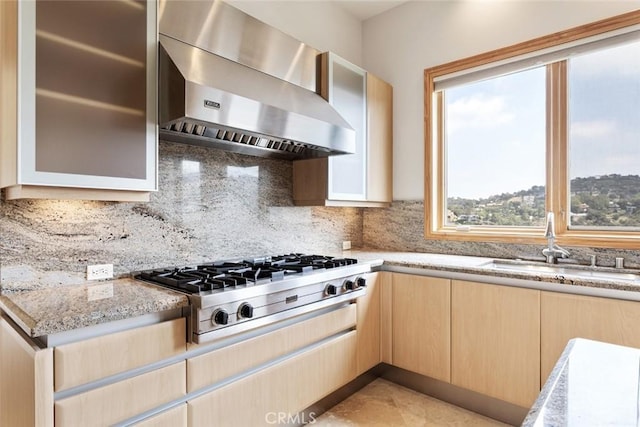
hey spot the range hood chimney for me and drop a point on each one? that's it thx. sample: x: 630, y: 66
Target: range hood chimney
x: 229, y: 81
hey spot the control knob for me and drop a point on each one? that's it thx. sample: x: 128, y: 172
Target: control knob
x: 361, y: 282
x: 245, y: 311
x: 349, y: 285
x: 220, y: 317
x: 331, y: 290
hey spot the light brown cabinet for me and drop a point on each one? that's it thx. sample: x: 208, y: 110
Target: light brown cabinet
x: 566, y: 316
x: 124, y: 399
x: 80, y: 121
x: 30, y: 374
x: 115, y: 378
x: 421, y: 325
x: 380, y: 140
x: 495, y: 341
x: 205, y: 369
x: 89, y: 360
x: 363, y: 178
x: 282, y: 389
x: 368, y: 324
x: 26, y: 380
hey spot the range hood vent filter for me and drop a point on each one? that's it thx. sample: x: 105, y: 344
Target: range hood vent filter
x: 218, y: 137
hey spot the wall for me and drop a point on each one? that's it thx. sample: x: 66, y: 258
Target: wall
x: 401, y: 43
x: 211, y: 205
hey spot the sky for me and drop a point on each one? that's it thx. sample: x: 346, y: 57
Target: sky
x: 496, y: 128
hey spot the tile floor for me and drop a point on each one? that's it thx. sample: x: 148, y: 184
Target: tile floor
x: 383, y: 403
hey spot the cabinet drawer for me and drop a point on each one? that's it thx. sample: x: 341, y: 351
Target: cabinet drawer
x: 175, y: 417
x: 285, y: 388
x: 85, y: 361
x: 205, y: 369
x: 119, y: 401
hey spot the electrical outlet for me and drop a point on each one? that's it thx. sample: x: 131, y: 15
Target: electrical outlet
x: 99, y: 271
x: 346, y: 245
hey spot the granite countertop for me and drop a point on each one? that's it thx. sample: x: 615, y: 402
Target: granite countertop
x: 484, y: 266
x: 52, y: 310
x: 592, y: 384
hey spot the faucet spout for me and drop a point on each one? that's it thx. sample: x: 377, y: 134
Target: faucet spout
x: 549, y: 231
x: 552, y: 252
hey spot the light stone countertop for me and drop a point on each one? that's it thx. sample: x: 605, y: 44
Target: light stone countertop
x: 59, y: 309
x: 592, y: 384
x: 52, y: 310
x: 400, y: 261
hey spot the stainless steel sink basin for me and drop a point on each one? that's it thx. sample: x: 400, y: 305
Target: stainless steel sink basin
x: 563, y: 270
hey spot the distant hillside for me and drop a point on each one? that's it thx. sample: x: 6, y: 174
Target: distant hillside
x: 607, y: 200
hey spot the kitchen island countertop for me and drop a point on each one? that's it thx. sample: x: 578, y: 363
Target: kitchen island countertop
x: 592, y: 384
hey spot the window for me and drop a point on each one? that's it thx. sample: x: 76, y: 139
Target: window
x: 548, y: 125
x: 495, y: 151
x: 604, y: 138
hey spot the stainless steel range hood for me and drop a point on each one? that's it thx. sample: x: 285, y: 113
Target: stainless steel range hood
x: 232, y: 82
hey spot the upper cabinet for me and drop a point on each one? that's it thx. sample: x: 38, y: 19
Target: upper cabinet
x: 78, y: 112
x: 363, y: 178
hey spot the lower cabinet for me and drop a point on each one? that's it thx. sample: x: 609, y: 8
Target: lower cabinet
x: 421, y: 325
x: 368, y: 323
x: 148, y: 370
x: 495, y: 341
x: 279, y: 391
x: 566, y: 316
x: 205, y: 370
x: 26, y: 380
x: 124, y: 399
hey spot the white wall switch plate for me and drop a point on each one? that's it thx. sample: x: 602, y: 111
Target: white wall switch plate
x: 99, y: 271
x: 346, y: 245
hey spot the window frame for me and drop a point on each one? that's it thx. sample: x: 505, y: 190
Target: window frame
x: 557, y: 177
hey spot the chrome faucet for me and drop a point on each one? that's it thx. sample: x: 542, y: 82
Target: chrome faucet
x: 552, y: 252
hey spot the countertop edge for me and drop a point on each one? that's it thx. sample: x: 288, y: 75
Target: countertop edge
x: 134, y: 299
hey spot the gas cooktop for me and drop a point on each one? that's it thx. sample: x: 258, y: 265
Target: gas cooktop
x: 233, y: 296
x: 219, y: 275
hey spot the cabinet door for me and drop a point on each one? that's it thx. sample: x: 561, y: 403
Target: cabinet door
x: 26, y: 380
x: 347, y: 93
x: 206, y: 369
x: 88, y: 119
x: 421, y: 325
x: 564, y: 317
x: 368, y: 324
x: 380, y: 140
x: 495, y: 344
x: 282, y: 389
x: 92, y: 359
x: 124, y: 399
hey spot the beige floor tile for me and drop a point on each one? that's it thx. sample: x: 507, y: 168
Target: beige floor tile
x: 383, y: 403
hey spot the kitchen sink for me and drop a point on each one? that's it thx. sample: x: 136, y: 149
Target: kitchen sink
x: 563, y: 270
